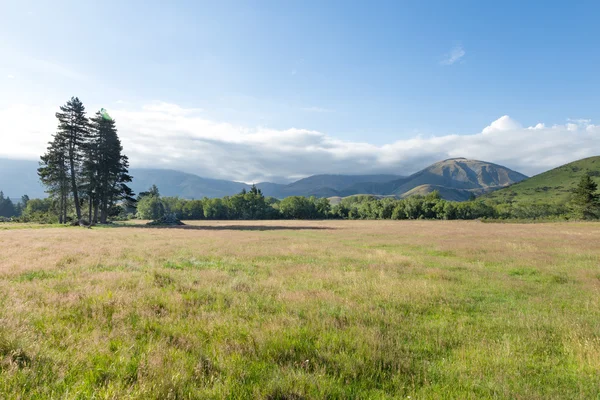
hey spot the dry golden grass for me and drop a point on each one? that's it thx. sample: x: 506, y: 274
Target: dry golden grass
x: 301, y: 309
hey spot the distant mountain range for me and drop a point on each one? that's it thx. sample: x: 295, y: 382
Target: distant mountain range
x: 455, y: 179
x: 19, y: 177
x: 323, y: 185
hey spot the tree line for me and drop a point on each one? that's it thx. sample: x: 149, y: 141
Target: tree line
x: 253, y: 205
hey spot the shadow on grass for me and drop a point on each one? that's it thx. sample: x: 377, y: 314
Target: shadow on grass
x: 230, y: 227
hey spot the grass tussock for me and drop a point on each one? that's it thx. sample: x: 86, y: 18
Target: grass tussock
x: 350, y: 309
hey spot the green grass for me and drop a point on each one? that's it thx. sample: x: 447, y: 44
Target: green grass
x: 554, y: 186
x: 363, y: 309
x: 14, y: 225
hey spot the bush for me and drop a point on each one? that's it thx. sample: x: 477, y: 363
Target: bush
x: 166, y: 220
x: 150, y: 207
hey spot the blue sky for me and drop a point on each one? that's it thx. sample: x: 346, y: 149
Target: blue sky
x: 358, y: 72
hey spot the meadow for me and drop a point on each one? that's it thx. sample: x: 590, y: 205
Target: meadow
x: 301, y: 310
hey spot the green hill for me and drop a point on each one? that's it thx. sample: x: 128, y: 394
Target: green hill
x: 552, y: 186
x: 445, y: 192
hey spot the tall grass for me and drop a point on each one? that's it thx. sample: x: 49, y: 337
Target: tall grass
x: 283, y: 310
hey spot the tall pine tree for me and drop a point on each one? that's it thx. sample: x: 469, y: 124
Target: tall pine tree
x: 73, y: 129
x: 106, y: 168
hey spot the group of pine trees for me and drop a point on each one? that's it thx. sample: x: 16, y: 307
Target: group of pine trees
x: 83, y: 167
x: 9, y: 209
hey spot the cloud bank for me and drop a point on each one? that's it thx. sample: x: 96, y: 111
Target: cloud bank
x: 162, y: 135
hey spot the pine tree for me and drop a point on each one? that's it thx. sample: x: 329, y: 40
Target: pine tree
x: 256, y: 207
x: 90, y: 172
x: 24, y: 201
x: 586, y: 199
x: 106, y: 167
x: 73, y: 129
x: 54, y: 174
x: 153, y: 191
x: 7, y: 208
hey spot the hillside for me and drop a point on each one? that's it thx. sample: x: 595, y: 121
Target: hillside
x: 552, y: 186
x: 460, y: 173
x: 323, y: 185
x: 177, y: 183
x: 451, y: 177
x: 445, y: 192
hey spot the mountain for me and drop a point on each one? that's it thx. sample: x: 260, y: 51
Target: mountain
x: 182, y: 184
x: 19, y: 177
x: 177, y: 183
x: 455, y: 178
x: 322, y: 185
x: 552, y: 186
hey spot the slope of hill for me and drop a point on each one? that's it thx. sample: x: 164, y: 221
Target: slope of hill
x: 460, y: 173
x: 445, y: 192
x: 177, y: 183
x: 454, y: 176
x: 552, y: 186
x: 19, y: 177
x: 323, y: 185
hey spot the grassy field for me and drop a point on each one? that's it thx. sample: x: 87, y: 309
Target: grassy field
x: 294, y: 310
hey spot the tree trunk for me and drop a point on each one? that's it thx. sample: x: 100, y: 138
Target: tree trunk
x: 74, y: 185
x: 90, y: 201
x: 60, y: 207
x: 103, y: 209
x: 96, y: 211
x: 65, y: 203
x: 64, y: 190
x: 63, y: 208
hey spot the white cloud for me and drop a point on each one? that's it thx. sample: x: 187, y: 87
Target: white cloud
x: 455, y: 54
x: 9, y: 76
x: 502, y: 124
x: 163, y: 135
x: 538, y: 126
